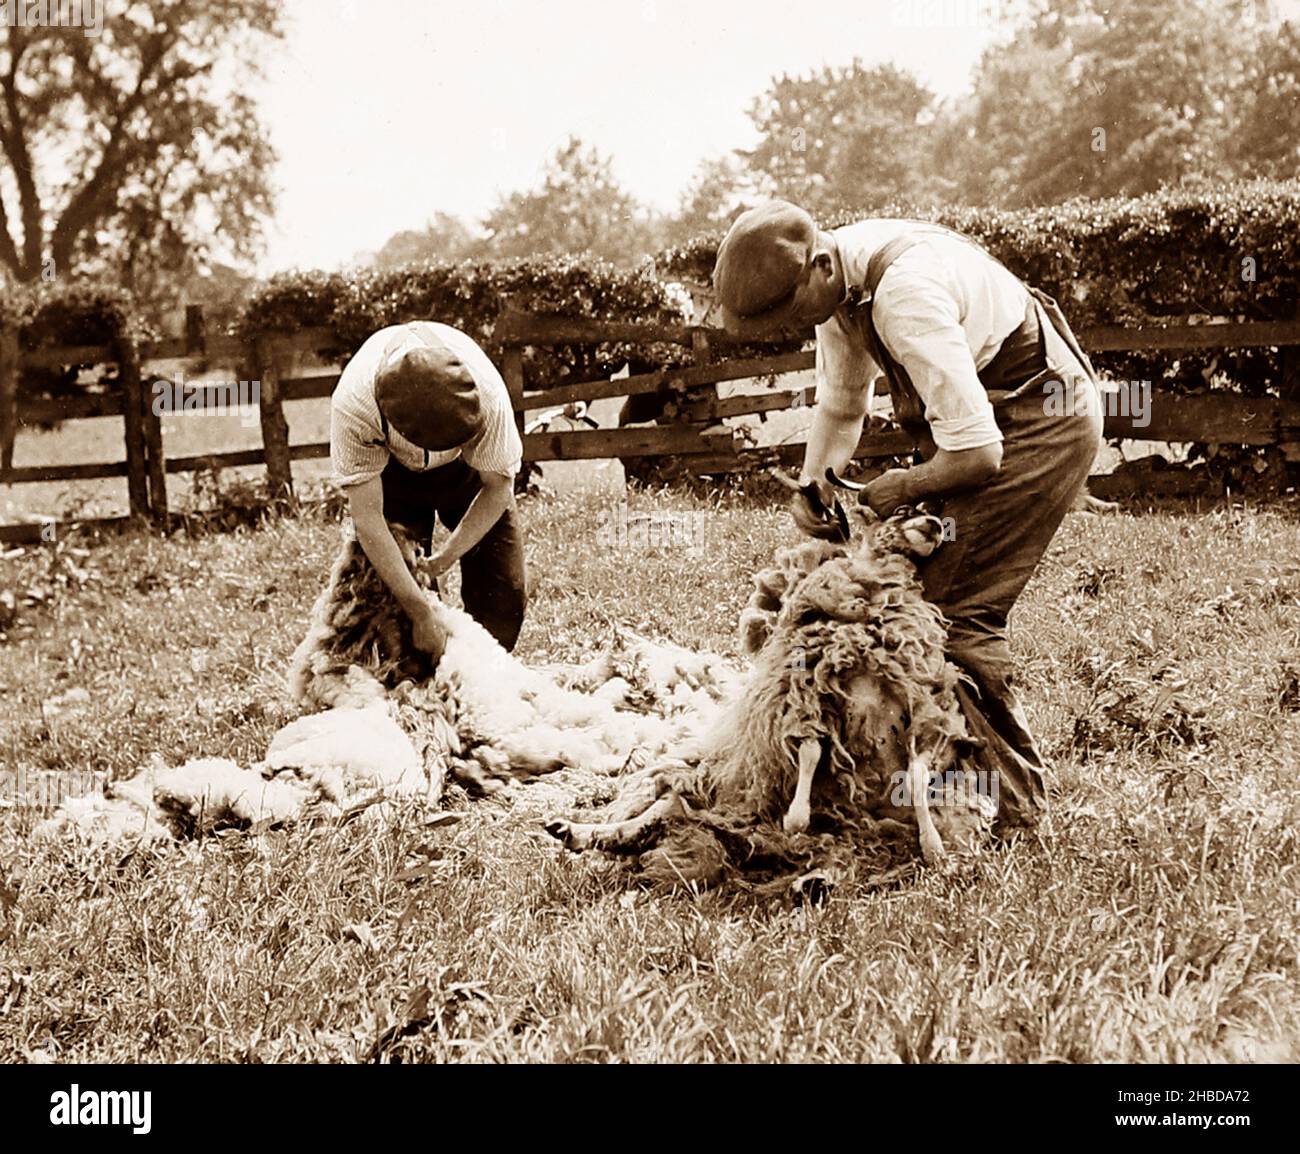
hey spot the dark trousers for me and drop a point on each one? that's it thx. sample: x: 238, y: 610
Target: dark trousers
x: 493, y: 578
x: 1001, y: 531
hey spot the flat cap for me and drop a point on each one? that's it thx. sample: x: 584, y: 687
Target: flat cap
x: 429, y: 396
x: 759, y: 264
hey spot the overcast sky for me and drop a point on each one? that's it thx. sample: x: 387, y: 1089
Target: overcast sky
x: 385, y: 111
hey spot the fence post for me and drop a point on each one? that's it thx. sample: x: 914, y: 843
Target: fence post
x: 196, y: 337
x: 135, y: 405
x: 275, y: 429
x: 132, y: 377
x: 1290, y: 383
x: 701, y: 354
x: 512, y: 371
x: 512, y: 364
x: 10, y: 366
x: 1289, y: 390
x: 700, y: 349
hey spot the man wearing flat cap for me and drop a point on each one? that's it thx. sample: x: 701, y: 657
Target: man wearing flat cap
x: 421, y: 427
x: 972, y: 357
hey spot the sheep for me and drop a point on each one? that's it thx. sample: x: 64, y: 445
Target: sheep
x: 819, y: 761
x: 848, y: 712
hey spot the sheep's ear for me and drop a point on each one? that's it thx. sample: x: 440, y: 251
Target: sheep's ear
x: 755, y: 629
x: 811, y: 554
x: 771, y: 584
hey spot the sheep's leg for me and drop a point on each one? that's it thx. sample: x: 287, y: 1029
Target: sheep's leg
x: 918, y: 771
x: 634, y: 798
x: 632, y: 818
x: 800, y: 812
x: 631, y: 836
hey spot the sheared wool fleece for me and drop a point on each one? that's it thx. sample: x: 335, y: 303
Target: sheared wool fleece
x: 385, y: 725
x: 496, y: 717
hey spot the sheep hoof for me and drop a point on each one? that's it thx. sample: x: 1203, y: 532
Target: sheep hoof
x: 796, y: 821
x: 572, y: 837
x: 932, y: 849
x: 812, y: 888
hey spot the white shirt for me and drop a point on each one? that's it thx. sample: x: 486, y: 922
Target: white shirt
x: 942, y: 309
x: 358, y: 448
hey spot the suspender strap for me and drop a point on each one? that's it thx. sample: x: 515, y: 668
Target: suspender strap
x: 909, y: 411
x: 1048, y: 303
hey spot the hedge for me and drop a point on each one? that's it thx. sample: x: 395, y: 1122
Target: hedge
x: 1176, y: 254
x: 471, y: 296
x: 75, y: 312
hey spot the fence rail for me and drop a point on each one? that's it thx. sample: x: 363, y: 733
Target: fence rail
x: 692, y: 405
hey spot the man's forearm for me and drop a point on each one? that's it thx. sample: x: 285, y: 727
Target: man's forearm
x: 831, y: 443
x: 484, y: 511
x: 951, y: 471
x: 386, y: 557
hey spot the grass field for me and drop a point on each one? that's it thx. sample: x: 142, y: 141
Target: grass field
x: 1154, y: 917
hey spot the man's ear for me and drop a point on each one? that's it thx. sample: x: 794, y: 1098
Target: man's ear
x: 823, y: 262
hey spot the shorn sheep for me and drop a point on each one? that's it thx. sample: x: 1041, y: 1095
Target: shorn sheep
x: 823, y: 765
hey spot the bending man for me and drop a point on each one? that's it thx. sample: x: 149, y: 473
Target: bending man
x: 421, y: 427
x: 986, y: 375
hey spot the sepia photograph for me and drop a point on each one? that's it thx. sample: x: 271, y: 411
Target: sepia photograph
x: 649, y: 533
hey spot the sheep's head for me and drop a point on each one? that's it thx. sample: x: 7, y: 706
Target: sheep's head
x: 914, y: 532
x: 911, y: 531
x: 414, y: 554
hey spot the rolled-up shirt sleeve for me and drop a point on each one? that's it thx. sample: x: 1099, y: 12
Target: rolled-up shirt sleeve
x: 918, y: 321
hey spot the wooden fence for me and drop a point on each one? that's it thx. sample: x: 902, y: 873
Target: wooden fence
x: 695, y: 433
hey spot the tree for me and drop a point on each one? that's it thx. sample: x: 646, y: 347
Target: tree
x: 844, y: 137
x: 716, y: 194
x: 1265, y: 140
x: 580, y: 207
x: 128, y: 152
x: 1121, y: 97
x: 445, y: 237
